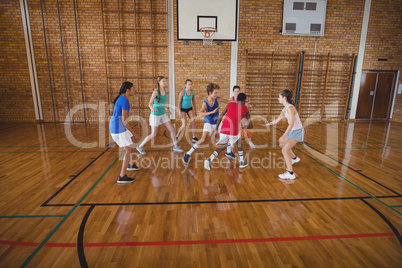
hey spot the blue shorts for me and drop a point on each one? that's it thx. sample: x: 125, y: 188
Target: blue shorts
x: 297, y: 134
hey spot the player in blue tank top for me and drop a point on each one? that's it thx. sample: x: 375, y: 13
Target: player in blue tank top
x: 186, y: 97
x: 210, y: 111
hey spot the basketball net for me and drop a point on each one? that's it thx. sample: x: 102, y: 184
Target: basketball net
x: 207, y: 33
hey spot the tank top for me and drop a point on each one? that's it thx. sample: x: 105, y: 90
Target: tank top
x: 212, y: 118
x: 235, y: 113
x: 297, y: 122
x: 159, y: 106
x: 186, y: 102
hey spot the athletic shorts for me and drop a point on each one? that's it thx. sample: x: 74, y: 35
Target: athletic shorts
x: 186, y: 110
x: 209, y: 128
x: 297, y: 134
x: 123, y: 139
x: 224, y: 139
x: 157, y: 120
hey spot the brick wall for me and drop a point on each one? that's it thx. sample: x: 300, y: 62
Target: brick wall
x: 102, y: 72
x: 16, y: 103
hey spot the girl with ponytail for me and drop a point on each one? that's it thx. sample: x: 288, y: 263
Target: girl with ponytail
x: 158, y: 116
x: 293, y: 134
x: 121, y: 131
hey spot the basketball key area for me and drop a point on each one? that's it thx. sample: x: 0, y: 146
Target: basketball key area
x: 344, y: 207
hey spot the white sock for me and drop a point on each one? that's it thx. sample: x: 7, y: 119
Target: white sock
x: 213, y: 155
x: 241, y: 156
x: 192, y: 149
x: 229, y: 149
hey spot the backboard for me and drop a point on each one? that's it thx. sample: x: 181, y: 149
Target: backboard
x: 195, y: 14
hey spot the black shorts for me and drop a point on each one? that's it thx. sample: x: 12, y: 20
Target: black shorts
x: 186, y: 110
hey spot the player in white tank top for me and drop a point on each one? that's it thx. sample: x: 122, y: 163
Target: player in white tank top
x: 294, y: 133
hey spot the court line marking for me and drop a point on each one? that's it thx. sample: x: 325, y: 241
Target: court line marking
x: 358, y: 172
x: 40, y: 246
x: 388, y: 222
x: 200, y: 242
x: 400, y: 213
x: 31, y: 216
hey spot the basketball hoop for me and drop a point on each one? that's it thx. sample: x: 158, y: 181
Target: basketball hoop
x: 207, y: 33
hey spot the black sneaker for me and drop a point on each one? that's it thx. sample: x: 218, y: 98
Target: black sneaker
x: 186, y: 158
x: 133, y: 167
x: 125, y: 179
x: 195, y: 139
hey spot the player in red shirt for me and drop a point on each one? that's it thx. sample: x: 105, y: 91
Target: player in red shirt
x: 229, y: 133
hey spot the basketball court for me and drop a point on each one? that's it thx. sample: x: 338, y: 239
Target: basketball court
x: 61, y: 206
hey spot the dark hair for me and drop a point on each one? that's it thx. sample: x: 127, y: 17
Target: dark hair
x: 123, y: 89
x: 288, y: 94
x: 241, y: 97
x: 188, y: 80
x: 211, y: 87
x: 236, y: 87
x: 160, y: 78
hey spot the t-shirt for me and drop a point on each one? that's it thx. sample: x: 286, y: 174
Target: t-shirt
x: 212, y: 118
x: 235, y: 112
x: 160, y: 106
x: 115, y: 124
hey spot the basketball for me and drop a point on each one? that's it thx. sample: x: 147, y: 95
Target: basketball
x: 246, y: 133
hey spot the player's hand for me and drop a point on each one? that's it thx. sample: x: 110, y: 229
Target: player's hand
x: 214, y: 111
x: 168, y: 112
x: 153, y: 110
x: 265, y: 125
x: 216, y: 135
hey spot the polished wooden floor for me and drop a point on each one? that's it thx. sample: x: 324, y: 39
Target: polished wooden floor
x: 60, y: 204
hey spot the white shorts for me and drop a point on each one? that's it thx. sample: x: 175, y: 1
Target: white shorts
x: 223, y: 139
x: 157, y: 120
x: 209, y: 128
x: 123, y: 139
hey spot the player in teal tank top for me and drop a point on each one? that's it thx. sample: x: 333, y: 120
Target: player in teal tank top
x: 186, y: 97
x: 159, y: 115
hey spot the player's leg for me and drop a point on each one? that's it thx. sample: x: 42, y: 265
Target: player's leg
x: 172, y: 131
x: 183, y: 124
x: 123, y: 178
x: 192, y: 119
x: 154, y: 131
x: 287, y: 154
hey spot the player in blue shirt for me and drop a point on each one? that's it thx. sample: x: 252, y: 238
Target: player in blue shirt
x: 121, y: 131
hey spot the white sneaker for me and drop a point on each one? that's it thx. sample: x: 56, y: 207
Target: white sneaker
x: 252, y: 146
x: 295, y: 160
x: 243, y: 164
x: 141, y: 150
x: 207, y: 164
x: 177, y: 149
x: 287, y: 176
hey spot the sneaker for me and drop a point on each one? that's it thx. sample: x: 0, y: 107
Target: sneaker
x: 295, y: 160
x: 243, y: 164
x: 252, y: 146
x: 124, y: 179
x: 186, y: 158
x: 177, y: 149
x: 133, y: 167
x: 141, y: 150
x: 207, y: 164
x: 194, y: 139
x: 231, y: 155
x: 287, y: 176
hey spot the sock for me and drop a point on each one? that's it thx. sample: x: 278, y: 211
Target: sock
x: 229, y: 149
x: 192, y: 149
x: 294, y: 158
x: 213, y: 155
x: 241, y: 156
x: 291, y: 172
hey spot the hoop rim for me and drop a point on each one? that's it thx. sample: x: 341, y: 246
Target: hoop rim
x: 207, y: 32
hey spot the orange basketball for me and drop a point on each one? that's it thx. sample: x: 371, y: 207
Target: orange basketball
x: 246, y: 133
